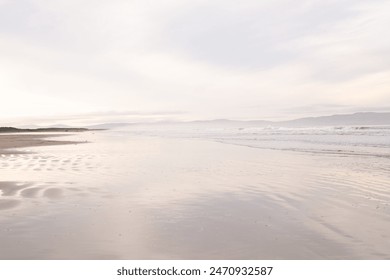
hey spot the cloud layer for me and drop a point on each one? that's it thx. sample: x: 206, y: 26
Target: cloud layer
x: 211, y: 59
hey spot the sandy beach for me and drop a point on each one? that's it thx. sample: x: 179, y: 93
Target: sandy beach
x: 130, y: 196
x: 9, y: 145
x: 17, y: 140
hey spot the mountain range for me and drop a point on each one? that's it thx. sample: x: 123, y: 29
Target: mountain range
x: 356, y: 119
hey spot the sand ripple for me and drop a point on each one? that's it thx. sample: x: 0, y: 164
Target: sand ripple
x: 42, y: 163
x: 8, y: 203
x: 13, y: 194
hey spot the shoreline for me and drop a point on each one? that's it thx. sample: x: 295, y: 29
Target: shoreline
x: 10, y: 142
x: 39, y: 130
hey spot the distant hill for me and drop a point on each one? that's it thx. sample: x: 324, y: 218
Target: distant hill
x: 218, y: 122
x: 356, y: 119
x: 49, y: 126
x: 365, y: 118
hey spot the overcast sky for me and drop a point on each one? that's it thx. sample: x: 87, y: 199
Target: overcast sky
x: 182, y: 59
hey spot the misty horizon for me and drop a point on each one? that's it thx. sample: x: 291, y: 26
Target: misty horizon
x: 104, y: 121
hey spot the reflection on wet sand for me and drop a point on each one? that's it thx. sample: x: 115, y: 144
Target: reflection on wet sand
x: 132, y: 197
x: 8, y: 203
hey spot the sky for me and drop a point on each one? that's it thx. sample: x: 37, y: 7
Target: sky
x: 124, y: 60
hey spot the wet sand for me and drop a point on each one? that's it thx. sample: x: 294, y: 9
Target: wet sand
x: 8, y: 145
x: 16, y: 140
x: 128, y: 197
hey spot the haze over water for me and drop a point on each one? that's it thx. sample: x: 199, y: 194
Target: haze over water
x: 175, y: 192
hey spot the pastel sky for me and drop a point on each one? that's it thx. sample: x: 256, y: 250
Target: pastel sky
x: 198, y: 59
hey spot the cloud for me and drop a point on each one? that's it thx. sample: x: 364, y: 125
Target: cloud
x: 255, y: 35
x: 211, y: 59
